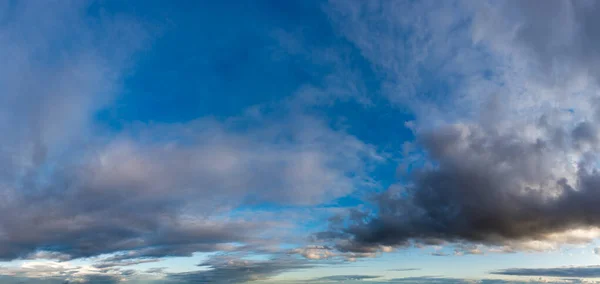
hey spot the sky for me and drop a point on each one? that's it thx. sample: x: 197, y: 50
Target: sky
x: 290, y: 142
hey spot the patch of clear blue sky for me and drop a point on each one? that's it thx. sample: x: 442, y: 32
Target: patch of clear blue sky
x: 216, y: 58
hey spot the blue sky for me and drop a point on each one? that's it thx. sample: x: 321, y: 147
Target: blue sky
x: 299, y: 141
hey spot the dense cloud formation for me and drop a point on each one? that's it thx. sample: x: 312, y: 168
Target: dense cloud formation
x: 485, y: 188
x: 522, y: 177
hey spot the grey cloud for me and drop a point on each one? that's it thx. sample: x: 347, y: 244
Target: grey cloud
x: 405, y: 269
x: 100, y: 279
x: 228, y: 270
x: 423, y: 51
x: 567, y: 272
x: 446, y: 280
x: 156, y: 270
x: 562, y: 36
x: 486, y: 188
x: 342, y: 278
x: 585, y: 132
x: 59, y: 272
x: 22, y: 280
x: 427, y: 279
x: 129, y: 262
x: 440, y: 254
x: 136, y: 194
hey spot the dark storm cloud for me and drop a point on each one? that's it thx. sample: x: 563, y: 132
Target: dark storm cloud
x: 567, y: 272
x: 486, y: 188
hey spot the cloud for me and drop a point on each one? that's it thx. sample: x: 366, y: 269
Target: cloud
x: 404, y: 269
x: 444, y: 280
x: 531, y: 193
x: 235, y: 270
x: 427, y: 279
x: 573, y: 271
x: 511, y: 167
x: 101, y: 279
x: 59, y: 272
x: 137, y: 193
x: 557, y: 34
x: 109, y: 264
x: 315, y: 252
x: 437, y: 253
x: 342, y: 278
x: 156, y: 270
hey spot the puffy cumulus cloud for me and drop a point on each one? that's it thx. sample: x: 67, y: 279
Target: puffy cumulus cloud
x: 70, y: 190
x: 239, y: 270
